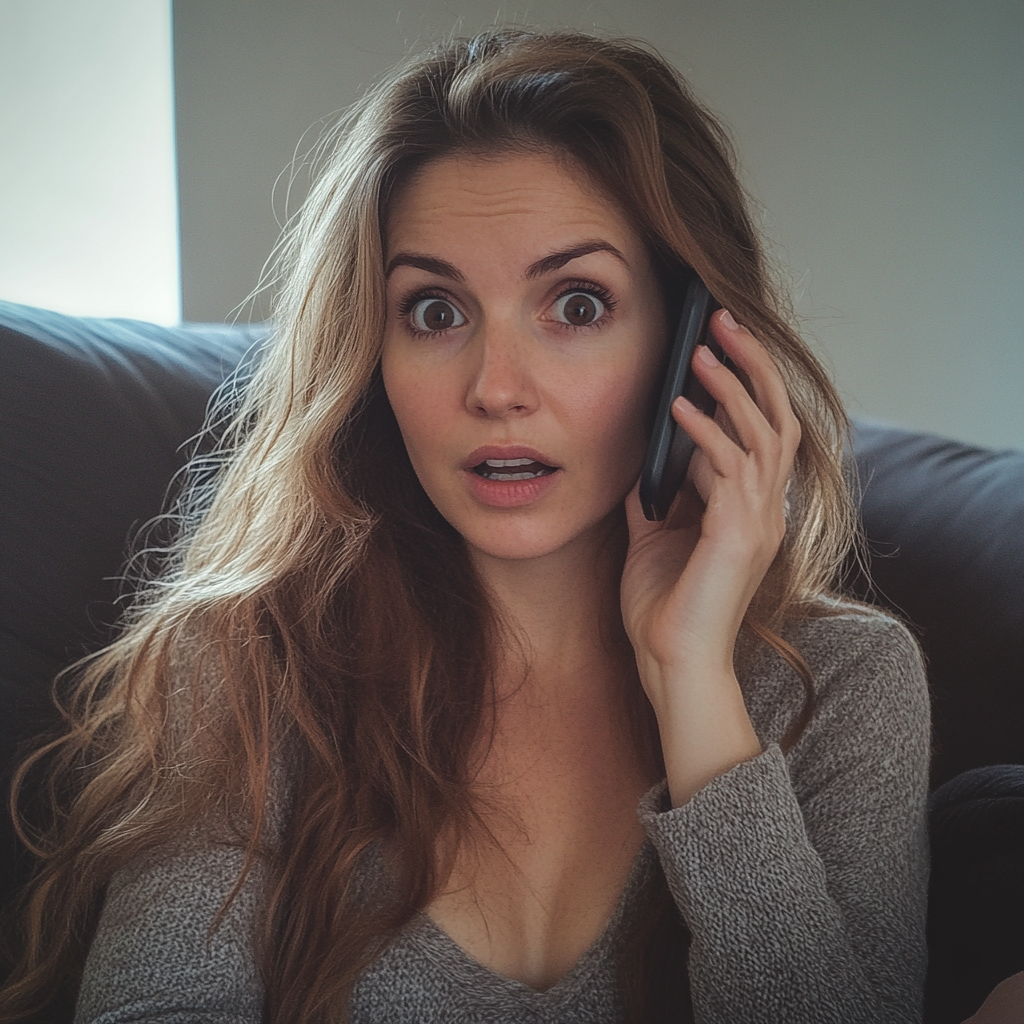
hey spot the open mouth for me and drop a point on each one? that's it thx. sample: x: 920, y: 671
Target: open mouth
x: 512, y: 469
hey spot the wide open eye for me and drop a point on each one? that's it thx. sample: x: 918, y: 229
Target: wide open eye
x: 578, y: 308
x: 434, y: 314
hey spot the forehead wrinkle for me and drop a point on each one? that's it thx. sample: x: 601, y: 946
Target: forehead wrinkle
x: 425, y: 204
x: 468, y: 197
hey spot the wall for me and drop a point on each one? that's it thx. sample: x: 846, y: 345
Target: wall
x: 88, y: 198
x: 883, y: 139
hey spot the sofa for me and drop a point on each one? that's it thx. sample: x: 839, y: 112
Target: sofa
x: 96, y: 421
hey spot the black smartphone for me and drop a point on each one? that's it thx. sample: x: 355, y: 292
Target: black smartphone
x: 670, y: 449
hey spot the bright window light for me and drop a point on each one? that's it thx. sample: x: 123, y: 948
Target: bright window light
x: 88, y: 205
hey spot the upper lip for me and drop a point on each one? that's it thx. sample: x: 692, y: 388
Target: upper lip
x: 506, y: 451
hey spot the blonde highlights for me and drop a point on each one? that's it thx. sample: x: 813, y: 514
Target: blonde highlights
x: 316, y: 610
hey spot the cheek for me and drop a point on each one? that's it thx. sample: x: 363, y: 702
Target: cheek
x: 630, y: 401
x: 414, y: 409
x: 425, y: 406
x: 614, y: 421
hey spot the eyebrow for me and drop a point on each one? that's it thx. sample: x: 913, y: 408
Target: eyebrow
x: 431, y: 264
x: 545, y: 265
x: 557, y: 260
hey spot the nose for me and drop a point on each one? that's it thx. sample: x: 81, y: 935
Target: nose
x: 502, y: 383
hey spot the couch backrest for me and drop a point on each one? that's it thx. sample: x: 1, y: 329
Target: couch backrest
x: 945, y: 526
x: 94, y: 414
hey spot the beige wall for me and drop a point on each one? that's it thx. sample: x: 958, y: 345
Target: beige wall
x: 884, y: 140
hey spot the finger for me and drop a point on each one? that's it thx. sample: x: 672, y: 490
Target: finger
x: 722, y: 454
x: 757, y: 363
x: 753, y: 431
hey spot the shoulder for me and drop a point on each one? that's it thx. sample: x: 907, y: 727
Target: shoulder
x: 867, y: 673
x: 835, y: 631
x: 843, y: 644
x: 858, y: 654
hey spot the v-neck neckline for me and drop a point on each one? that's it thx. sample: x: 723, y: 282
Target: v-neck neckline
x: 435, y: 936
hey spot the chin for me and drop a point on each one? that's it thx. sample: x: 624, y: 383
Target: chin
x: 525, y: 539
x: 512, y: 550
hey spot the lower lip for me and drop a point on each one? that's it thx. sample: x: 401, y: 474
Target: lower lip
x: 510, y: 493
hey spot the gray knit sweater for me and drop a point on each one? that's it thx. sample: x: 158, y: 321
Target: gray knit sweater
x: 802, y: 880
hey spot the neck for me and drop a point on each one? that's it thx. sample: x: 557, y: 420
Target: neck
x: 564, y: 614
x: 570, y: 714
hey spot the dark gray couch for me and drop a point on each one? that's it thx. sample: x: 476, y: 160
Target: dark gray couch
x: 94, y: 416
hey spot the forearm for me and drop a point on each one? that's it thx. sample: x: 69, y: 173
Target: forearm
x: 704, y: 725
x: 803, y: 879
x: 770, y: 943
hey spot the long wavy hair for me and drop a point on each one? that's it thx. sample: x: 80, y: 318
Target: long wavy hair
x: 316, y: 610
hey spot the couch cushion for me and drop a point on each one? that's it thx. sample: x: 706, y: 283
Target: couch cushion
x: 976, y: 891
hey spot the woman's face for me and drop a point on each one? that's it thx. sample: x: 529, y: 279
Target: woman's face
x: 524, y: 332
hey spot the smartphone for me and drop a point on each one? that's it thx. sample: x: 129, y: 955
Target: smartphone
x: 670, y: 449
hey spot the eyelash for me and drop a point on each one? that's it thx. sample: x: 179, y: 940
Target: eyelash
x: 588, y: 288
x: 569, y: 288
x: 408, y: 304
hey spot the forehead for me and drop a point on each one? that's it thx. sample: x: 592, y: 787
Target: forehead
x: 505, y: 196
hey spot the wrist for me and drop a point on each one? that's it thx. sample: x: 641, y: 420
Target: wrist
x: 673, y: 685
x: 705, y: 730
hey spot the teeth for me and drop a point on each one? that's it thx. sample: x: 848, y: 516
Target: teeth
x: 498, y: 469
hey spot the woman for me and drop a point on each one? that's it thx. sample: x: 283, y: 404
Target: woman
x: 372, y: 747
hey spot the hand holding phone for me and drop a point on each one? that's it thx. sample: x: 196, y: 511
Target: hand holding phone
x: 671, y: 448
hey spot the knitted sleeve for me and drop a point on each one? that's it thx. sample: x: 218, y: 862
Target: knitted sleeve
x: 156, y: 960
x: 803, y: 879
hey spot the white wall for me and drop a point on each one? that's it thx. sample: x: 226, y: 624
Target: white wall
x: 88, y: 205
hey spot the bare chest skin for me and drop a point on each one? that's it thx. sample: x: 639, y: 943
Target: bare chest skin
x: 559, y: 792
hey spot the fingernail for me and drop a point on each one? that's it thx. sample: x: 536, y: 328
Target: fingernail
x: 684, y: 403
x: 727, y: 321
x: 705, y: 355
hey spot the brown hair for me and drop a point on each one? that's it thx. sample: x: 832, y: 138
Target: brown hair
x: 317, y: 605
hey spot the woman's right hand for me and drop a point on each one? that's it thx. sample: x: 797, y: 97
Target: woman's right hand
x: 686, y: 589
